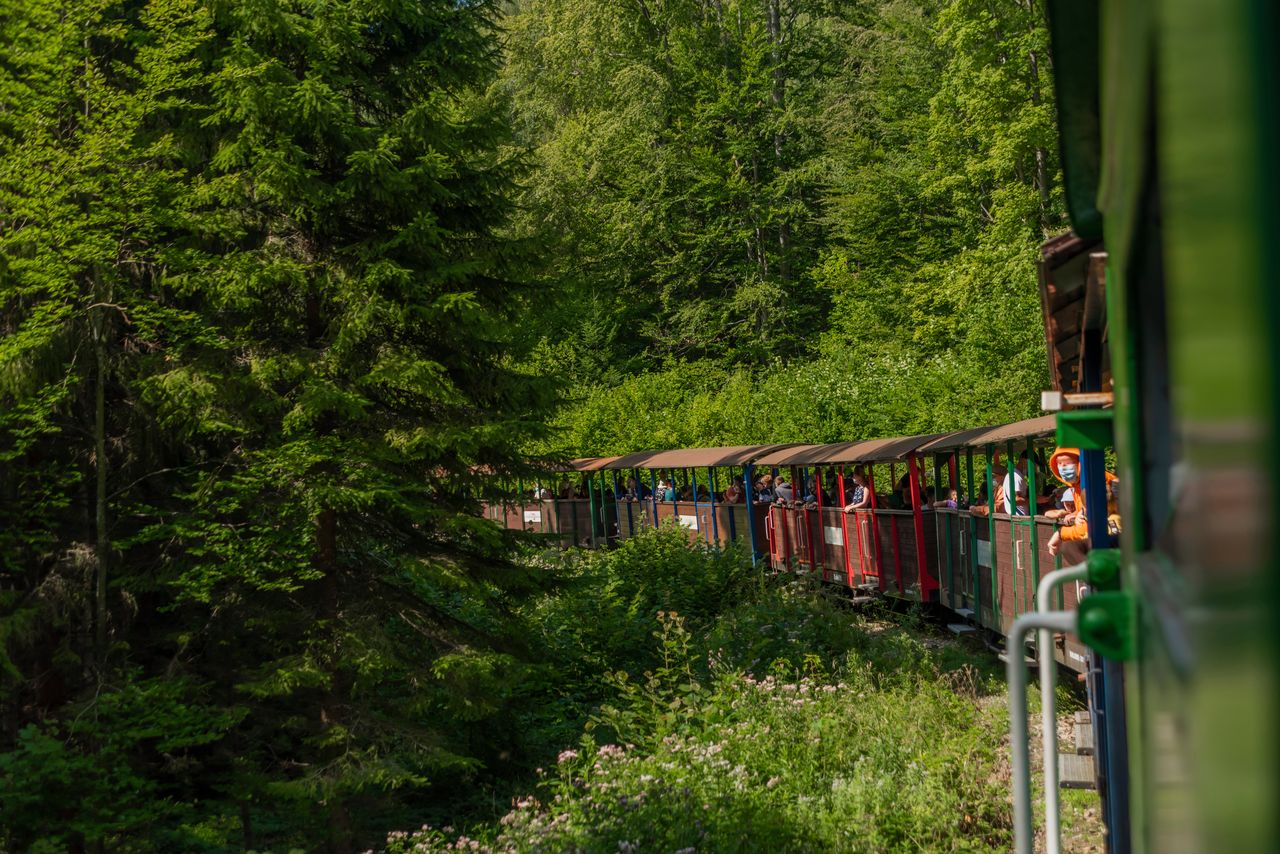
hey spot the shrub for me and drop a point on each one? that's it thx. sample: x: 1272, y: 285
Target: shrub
x: 719, y: 709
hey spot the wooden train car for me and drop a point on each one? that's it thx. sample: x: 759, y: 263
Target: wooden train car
x: 966, y: 554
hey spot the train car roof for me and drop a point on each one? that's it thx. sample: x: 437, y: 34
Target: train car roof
x: 733, y: 455
x: 866, y: 451
x: 805, y: 455
x: 796, y: 454
x: 953, y: 441
x: 585, y: 464
x: 977, y: 437
x: 1030, y: 428
x: 886, y: 450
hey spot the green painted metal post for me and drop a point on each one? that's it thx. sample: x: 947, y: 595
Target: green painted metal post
x: 1033, y: 496
x: 991, y: 530
x: 1012, y: 501
x: 937, y: 496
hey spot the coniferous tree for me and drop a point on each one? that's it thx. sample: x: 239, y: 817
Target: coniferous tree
x: 258, y: 304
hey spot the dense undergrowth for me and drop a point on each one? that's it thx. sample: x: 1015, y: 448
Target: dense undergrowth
x: 695, y: 704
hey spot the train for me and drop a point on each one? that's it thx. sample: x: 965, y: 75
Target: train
x: 1160, y: 310
x: 979, y: 561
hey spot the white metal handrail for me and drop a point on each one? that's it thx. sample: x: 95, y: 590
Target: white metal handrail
x: 1016, y: 671
x: 1048, y: 702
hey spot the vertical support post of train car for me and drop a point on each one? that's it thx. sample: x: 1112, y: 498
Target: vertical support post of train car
x: 800, y: 518
x: 893, y: 526
x: 653, y: 494
x: 971, y: 532
x: 1015, y: 554
x: 953, y: 522
x: 577, y: 537
x: 608, y: 497
x: 603, y: 508
x: 876, y: 560
x: 942, y: 531
x: 732, y: 520
x: 991, y: 531
x: 715, y: 524
x: 748, y: 484
x: 783, y: 511
x: 917, y: 521
x: 556, y: 501
x: 844, y: 526
x: 675, y: 497
x: 822, y: 523
x: 1033, y: 505
x: 631, y: 519
x: 691, y: 478
x: 592, y: 507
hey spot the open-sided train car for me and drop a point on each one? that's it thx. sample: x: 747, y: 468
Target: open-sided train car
x: 968, y: 555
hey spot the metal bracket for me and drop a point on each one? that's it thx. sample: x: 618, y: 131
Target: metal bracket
x: 1106, y: 623
x: 1086, y: 429
x: 1103, y: 569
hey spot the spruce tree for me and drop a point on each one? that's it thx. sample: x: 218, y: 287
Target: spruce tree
x: 258, y: 301
x: 348, y: 234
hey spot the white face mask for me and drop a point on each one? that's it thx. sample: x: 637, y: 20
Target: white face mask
x: 1067, y: 471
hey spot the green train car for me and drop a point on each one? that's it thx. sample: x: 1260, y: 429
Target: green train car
x: 1169, y: 117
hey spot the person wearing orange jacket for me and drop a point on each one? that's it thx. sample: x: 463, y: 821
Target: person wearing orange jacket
x: 1065, y: 465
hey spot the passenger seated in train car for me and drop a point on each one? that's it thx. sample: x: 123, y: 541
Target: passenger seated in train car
x: 1013, y: 498
x: 635, y: 491
x: 566, y: 490
x: 737, y: 491
x: 1064, y: 503
x: 541, y: 493
x: 764, y: 489
x: 1073, y: 529
x: 783, y: 491
x: 812, y: 493
x: 930, y: 497
x: 900, y: 498
x: 860, y: 495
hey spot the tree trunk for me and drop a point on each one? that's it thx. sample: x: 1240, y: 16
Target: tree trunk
x: 341, y: 837
x: 102, y: 535
x: 1042, y: 156
x: 777, y: 95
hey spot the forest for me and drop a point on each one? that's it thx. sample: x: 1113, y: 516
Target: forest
x: 281, y: 283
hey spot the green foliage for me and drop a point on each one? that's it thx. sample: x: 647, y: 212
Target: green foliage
x: 675, y: 175
x: 602, y: 616
x: 97, y: 771
x: 257, y: 313
x: 921, y: 175
x: 780, y: 722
